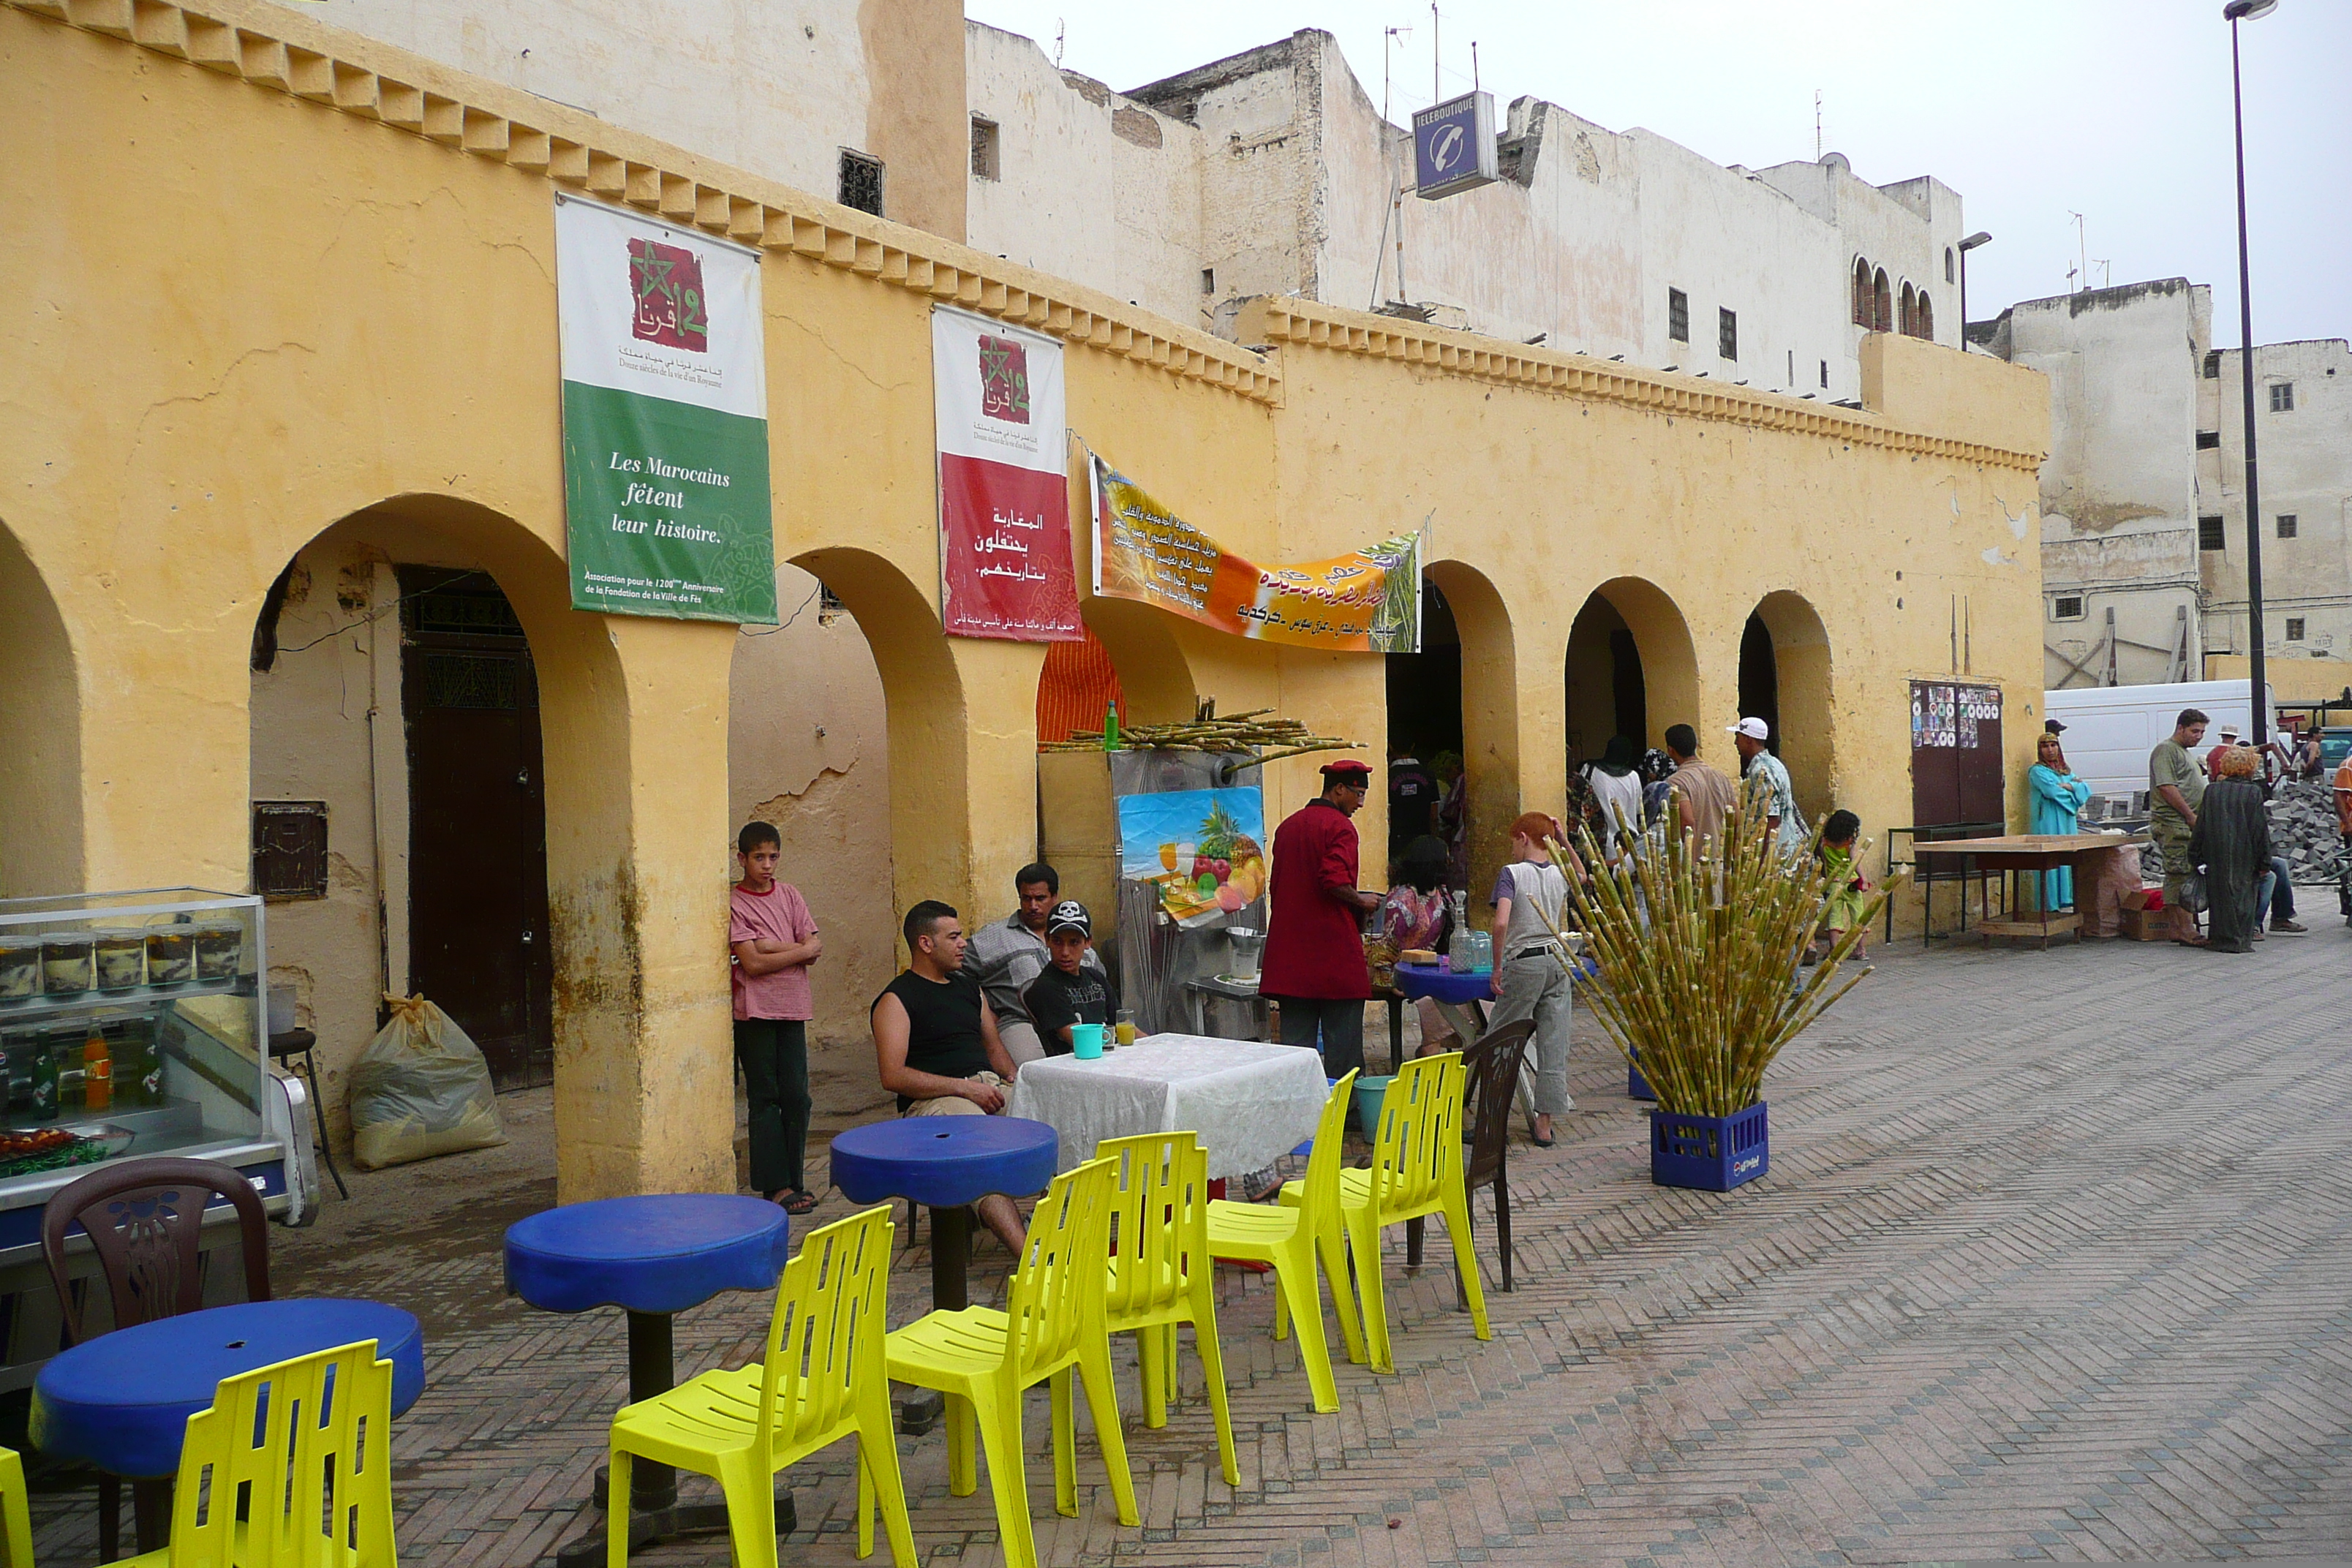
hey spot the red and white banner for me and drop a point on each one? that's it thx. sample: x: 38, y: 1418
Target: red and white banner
x: 1005, y: 567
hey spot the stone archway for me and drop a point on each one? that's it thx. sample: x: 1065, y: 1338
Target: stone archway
x: 1630, y: 660
x: 1804, y: 712
x: 1491, y: 717
x: 40, y: 735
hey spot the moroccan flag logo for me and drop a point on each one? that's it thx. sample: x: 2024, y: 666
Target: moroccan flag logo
x: 1005, y: 380
x: 666, y: 281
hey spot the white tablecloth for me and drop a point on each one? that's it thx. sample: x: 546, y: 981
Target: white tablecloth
x: 1249, y: 1102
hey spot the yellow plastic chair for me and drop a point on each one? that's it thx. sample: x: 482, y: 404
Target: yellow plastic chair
x: 983, y: 1360
x: 316, y: 1440
x: 1416, y: 1171
x: 822, y: 1379
x: 18, y: 1524
x: 1291, y: 1239
x: 1160, y: 1274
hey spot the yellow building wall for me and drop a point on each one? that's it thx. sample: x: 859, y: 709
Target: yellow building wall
x: 270, y: 277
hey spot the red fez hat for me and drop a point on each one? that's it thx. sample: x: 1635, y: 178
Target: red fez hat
x: 1347, y: 768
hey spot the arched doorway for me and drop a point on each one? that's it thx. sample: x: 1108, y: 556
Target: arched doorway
x: 40, y: 736
x: 1463, y: 689
x: 401, y: 836
x: 1425, y: 706
x: 1785, y: 679
x: 808, y: 751
x: 1631, y: 668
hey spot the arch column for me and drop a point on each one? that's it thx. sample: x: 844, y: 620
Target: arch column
x: 1514, y: 709
x: 1801, y: 657
x: 40, y: 736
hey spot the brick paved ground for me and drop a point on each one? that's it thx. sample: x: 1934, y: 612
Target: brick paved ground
x: 2051, y: 1261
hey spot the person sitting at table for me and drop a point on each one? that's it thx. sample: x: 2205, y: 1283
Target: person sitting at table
x: 1007, y: 954
x: 1066, y: 992
x: 1418, y: 915
x: 935, y: 1045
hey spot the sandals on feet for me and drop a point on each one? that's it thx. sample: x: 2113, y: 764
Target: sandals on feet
x: 799, y: 1200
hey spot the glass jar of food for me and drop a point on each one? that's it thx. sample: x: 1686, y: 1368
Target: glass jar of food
x: 20, y: 964
x: 66, y: 968
x: 220, y: 950
x: 171, y: 954
x: 121, y: 957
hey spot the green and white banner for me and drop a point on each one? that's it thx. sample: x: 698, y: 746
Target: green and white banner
x: 664, y: 418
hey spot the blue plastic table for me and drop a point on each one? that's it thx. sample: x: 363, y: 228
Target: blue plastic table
x: 121, y: 1402
x: 652, y: 1257
x: 946, y: 1163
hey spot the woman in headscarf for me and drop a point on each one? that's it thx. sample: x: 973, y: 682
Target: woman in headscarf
x: 2231, y: 842
x: 2058, y: 799
x: 1617, y: 791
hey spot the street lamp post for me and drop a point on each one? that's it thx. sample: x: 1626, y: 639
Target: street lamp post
x: 2235, y: 12
x: 1980, y: 238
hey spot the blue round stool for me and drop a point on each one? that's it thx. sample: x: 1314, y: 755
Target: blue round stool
x: 652, y: 1256
x: 945, y: 1163
x: 1458, y: 987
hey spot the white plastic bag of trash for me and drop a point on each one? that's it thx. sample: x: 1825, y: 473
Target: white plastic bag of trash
x: 420, y: 1088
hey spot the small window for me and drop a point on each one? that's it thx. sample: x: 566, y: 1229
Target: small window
x: 2294, y: 629
x: 1952, y: 273
x: 1825, y: 375
x: 2283, y: 397
x: 861, y: 182
x: 1677, y: 316
x: 2209, y: 533
x: 2067, y: 608
x: 984, y: 142
x: 289, y: 848
x: 1208, y: 279
x: 2286, y: 525
x: 2213, y: 364
x: 2206, y: 440
x: 1726, y: 335
x: 1862, y: 293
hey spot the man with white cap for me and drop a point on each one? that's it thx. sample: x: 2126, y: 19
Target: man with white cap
x: 1767, y: 792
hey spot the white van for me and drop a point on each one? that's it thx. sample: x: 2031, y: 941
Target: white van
x: 2110, y: 730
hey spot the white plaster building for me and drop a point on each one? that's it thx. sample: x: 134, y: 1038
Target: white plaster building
x: 2302, y: 418
x: 2143, y: 499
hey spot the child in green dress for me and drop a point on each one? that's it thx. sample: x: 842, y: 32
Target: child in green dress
x: 1847, y: 883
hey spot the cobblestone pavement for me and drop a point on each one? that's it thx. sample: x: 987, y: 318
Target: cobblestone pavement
x: 2051, y: 1261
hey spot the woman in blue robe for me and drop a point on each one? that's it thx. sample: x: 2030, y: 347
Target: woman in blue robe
x: 2058, y: 798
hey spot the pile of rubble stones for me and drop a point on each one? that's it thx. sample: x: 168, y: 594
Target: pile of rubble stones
x: 2303, y: 828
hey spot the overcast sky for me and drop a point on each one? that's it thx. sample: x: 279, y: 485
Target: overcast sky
x: 2033, y: 110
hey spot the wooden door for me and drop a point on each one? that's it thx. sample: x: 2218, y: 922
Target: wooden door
x: 1956, y: 756
x: 478, y: 821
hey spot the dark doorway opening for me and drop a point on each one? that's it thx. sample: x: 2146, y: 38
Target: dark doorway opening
x: 478, y: 821
x: 1759, y: 679
x: 1426, y: 713
x: 1608, y: 691
x: 1632, y: 694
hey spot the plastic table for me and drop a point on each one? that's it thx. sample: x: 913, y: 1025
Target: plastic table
x: 121, y: 1402
x: 652, y: 1257
x: 946, y: 1163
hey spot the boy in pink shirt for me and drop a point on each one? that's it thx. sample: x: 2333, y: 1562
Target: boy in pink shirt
x: 774, y: 941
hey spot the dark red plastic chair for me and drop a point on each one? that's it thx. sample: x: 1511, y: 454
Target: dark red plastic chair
x: 142, y: 1218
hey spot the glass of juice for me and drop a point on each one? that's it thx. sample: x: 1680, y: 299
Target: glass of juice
x: 1125, y: 1026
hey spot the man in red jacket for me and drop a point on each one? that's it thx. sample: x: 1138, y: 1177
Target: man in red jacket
x: 1313, y: 966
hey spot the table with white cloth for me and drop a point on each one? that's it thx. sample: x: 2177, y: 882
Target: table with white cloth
x: 1250, y: 1102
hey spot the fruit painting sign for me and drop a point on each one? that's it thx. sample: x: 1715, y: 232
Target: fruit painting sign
x: 1203, y: 849
x: 1005, y: 568
x: 665, y: 419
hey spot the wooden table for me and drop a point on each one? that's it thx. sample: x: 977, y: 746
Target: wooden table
x: 2012, y: 855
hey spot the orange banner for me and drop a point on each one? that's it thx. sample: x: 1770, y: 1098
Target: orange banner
x: 1367, y: 601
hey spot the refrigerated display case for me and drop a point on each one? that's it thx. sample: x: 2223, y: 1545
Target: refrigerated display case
x: 131, y: 1025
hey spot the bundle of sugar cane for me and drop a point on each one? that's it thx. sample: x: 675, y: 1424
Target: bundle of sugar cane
x: 1248, y: 731
x: 1699, y: 955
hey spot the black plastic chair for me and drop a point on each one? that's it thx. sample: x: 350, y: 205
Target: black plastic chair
x: 1492, y: 1064
x: 144, y: 1218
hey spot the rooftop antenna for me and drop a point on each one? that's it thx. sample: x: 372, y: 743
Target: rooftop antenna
x: 1060, y: 31
x: 2106, y: 273
x: 1473, y: 65
x: 1817, y: 125
x: 1436, y: 85
x: 2083, y: 251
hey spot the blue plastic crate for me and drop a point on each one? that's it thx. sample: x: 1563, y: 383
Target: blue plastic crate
x: 1636, y: 1086
x: 1713, y: 1153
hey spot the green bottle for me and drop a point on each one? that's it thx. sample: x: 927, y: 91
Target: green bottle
x: 1110, y: 725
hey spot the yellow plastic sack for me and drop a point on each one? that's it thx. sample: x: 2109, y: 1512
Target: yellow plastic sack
x: 420, y: 1088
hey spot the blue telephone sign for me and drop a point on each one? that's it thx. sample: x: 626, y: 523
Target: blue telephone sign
x: 1454, y: 146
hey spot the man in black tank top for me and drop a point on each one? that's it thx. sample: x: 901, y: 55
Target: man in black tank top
x: 935, y: 1045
